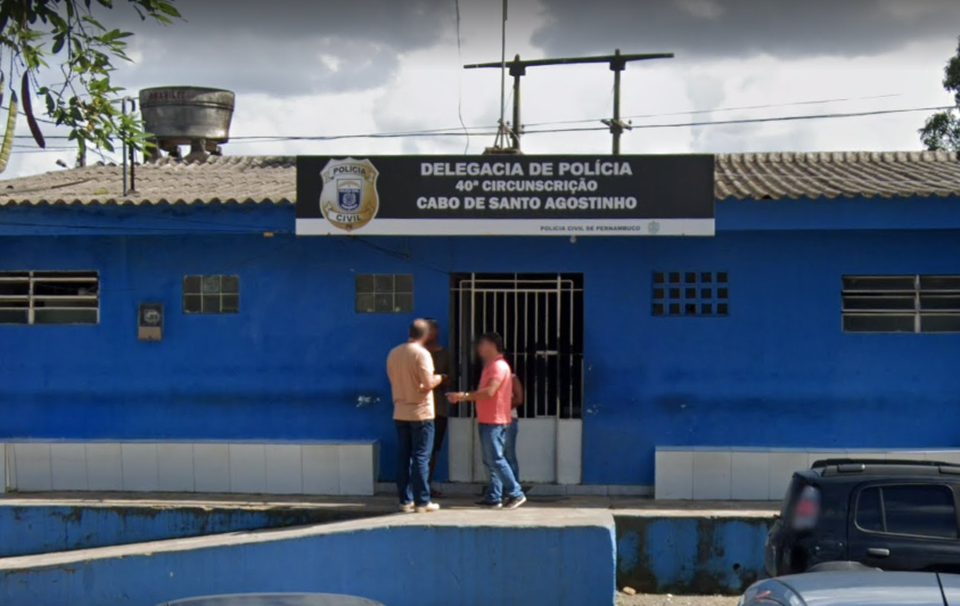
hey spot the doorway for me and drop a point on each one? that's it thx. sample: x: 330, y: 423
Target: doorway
x: 540, y: 317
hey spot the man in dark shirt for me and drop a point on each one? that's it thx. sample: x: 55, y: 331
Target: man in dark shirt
x: 443, y: 366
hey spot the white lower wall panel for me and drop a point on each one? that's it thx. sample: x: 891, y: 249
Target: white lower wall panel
x: 673, y: 474
x: 569, y: 451
x: 283, y: 465
x: 750, y: 475
x: 211, y: 467
x: 68, y: 462
x: 537, y: 450
x: 175, y: 467
x: 248, y: 468
x: 747, y: 474
x: 33, y: 468
x: 140, y: 463
x: 348, y: 468
x: 321, y: 469
x: 104, y: 465
x: 357, y: 463
x: 460, y: 436
x: 712, y: 476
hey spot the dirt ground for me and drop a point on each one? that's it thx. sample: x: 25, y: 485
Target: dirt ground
x: 646, y: 599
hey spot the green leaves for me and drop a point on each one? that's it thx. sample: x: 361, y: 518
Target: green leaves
x: 68, y: 34
x: 941, y: 132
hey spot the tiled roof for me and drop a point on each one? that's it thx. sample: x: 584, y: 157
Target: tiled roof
x: 774, y: 176
x: 272, y: 179
x: 217, y: 180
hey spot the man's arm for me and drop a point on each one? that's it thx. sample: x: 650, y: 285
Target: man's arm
x: 484, y: 393
x: 517, y: 395
x: 428, y: 380
x: 481, y: 394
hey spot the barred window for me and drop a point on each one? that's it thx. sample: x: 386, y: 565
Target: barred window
x: 904, y: 303
x: 211, y: 294
x: 691, y: 293
x: 49, y: 297
x: 384, y: 293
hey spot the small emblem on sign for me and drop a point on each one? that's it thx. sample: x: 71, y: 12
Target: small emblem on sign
x: 653, y: 227
x: 349, y: 199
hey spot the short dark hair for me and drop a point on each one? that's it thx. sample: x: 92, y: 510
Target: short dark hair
x: 432, y: 322
x: 493, y: 338
x: 418, y: 329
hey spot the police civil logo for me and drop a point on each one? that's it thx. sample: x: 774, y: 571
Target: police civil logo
x: 349, y: 199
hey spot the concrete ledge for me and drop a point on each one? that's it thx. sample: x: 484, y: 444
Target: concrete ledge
x: 37, y: 528
x: 691, y: 554
x: 528, y: 557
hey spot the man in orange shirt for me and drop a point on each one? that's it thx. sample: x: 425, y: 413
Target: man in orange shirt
x: 494, y: 403
x: 412, y: 381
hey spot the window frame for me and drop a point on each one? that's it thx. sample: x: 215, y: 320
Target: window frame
x: 46, y: 277
x: 920, y: 294
x: 393, y: 292
x: 674, y: 293
x: 220, y: 294
x: 883, y: 511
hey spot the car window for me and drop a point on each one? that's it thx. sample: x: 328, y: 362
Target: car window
x: 869, y: 515
x: 920, y: 510
x: 911, y: 509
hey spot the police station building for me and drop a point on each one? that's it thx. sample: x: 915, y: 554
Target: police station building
x: 703, y: 324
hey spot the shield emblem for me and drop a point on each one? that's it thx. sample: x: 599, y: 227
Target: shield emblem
x: 349, y: 198
x: 348, y: 194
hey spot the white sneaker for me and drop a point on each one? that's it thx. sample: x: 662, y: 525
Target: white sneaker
x: 406, y: 507
x: 428, y: 508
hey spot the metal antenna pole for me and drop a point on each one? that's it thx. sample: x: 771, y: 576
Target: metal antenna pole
x: 503, y: 78
x: 617, y: 62
x: 617, y: 126
x: 517, y: 70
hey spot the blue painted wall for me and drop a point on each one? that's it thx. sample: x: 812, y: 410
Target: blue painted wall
x: 691, y: 555
x: 400, y: 566
x: 34, y: 529
x: 297, y: 362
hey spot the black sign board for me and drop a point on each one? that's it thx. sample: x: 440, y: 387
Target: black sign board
x: 505, y: 195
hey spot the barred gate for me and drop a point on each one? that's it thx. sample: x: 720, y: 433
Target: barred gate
x: 540, y: 317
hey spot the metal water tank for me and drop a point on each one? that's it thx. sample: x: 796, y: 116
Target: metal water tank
x: 276, y: 599
x: 187, y: 115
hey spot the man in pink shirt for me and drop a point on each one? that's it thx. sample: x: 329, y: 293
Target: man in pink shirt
x: 494, y: 405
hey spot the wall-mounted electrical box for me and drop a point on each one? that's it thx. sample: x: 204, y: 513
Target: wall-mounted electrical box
x: 150, y: 322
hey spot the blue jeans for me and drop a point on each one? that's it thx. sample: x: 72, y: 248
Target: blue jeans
x: 502, y: 481
x: 510, y: 448
x: 414, y: 445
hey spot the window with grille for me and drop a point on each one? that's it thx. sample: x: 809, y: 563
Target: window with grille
x: 384, y: 293
x: 211, y: 294
x: 912, y: 303
x: 691, y: 293
x: 49, y: 297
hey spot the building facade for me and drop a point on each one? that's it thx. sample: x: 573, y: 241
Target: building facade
x: 824, y: 313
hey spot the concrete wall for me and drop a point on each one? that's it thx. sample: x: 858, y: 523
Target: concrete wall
x: 499, y: 559
x: 298, y: 363
x: 703, y: 554
x: 35, y: 529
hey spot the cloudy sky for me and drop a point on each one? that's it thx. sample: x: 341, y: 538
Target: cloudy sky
x: 324, y: 68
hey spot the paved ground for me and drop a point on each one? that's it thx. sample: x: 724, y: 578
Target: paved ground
x: 387, y: 504
x: 646, y: 599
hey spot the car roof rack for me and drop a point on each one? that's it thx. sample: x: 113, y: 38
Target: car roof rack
x: 852, y: 465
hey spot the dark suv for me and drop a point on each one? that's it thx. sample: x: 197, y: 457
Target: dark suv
x: 894, y: 515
